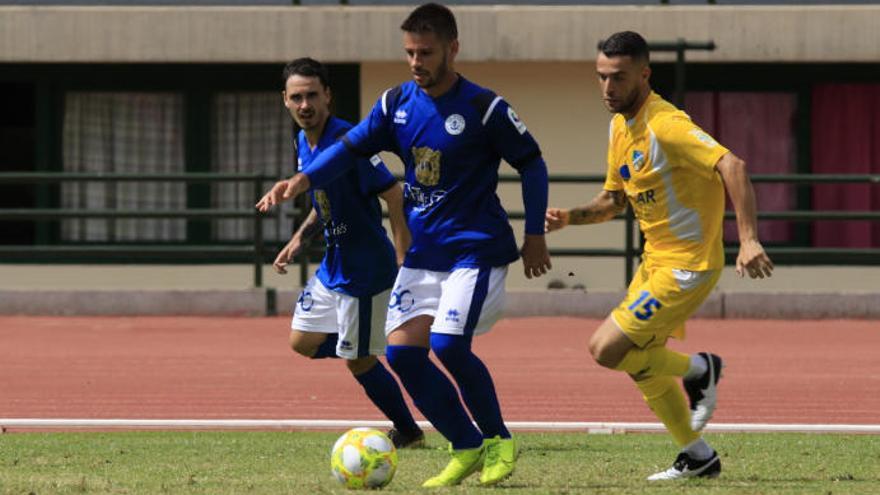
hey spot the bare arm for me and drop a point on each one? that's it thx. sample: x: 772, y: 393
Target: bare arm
x: 310, y: 227
x: 393, y: 197
x: 751, y: 258
x: 605, y: 206
x: 298, y: 240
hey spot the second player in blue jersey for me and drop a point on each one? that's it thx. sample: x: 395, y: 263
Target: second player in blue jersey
x: 341, y: 311
x: 359, y: 260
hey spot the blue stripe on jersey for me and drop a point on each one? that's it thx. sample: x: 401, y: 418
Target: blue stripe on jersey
x: 481, y: 289
x: 365, y: 324
x: 359, y: 260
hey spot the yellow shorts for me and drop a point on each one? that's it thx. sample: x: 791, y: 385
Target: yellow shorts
x: 658, y: 302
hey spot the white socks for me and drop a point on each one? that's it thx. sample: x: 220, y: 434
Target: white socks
x: 698, y: 449
x: 698, y: 367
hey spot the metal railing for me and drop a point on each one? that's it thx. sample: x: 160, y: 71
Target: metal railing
x: 128, y: 252
x: 256, y: 252
x: 782, y: 255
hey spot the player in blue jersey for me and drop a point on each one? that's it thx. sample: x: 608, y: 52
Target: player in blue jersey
x: 451, y: 135
x: 341, y: 311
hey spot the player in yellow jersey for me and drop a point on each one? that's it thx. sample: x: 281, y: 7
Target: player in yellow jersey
x: 674, y: 176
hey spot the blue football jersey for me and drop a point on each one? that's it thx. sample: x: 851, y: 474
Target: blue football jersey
x: 451, y: 147
x: 360, y: 259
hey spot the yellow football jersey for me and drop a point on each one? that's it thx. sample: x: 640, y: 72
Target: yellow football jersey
x: 666, y: 166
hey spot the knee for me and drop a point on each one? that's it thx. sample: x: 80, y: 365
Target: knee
x: 604, y: 354
x: 360, y: 365
x: 301, y: 346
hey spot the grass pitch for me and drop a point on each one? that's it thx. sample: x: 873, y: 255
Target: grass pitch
x: 550, y: 463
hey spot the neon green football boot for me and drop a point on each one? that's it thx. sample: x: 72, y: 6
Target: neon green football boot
x: 500, y: 460
x: 464, y: 463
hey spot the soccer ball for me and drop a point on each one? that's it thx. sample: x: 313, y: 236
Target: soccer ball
x: 363, y: 458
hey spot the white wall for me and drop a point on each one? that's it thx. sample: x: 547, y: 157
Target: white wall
x: 828, y: 33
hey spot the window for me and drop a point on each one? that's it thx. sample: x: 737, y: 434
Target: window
x: 846, y: 140
x: 252, y: 133
x: 758, y: 127
x: 121, y: 132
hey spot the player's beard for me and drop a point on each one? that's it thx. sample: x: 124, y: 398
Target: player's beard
x: 308, y: 122
x: 628, y: 105
x: 433, y: 78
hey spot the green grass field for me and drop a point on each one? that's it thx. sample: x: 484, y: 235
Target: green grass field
x: 297, y: 463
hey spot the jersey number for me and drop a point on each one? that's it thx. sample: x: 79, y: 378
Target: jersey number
x: 644, y: 307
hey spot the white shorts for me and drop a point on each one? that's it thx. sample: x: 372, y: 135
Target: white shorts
x: 465, y: 301
x: 359, y: 321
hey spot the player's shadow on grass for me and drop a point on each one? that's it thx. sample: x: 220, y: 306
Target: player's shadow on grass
x: 842, y: 480
x: 566, y: 488
x: 533, y: 449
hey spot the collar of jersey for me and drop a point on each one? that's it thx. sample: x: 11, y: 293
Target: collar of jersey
x: 453, y: 91
x: 641, y: 113
x: 330, y: 127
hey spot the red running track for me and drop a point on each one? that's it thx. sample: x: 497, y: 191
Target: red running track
x: 240, y: 368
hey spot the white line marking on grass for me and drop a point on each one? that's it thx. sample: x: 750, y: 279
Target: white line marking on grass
x: 273, y: 424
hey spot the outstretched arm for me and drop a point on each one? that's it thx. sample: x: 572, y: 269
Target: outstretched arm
x: 605, y: 206
x: 393, y: 197
x: 331, y: 163
x: 284, y: 190
x: 751, y: 258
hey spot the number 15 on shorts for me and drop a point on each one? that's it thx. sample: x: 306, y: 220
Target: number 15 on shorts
x: 643, y: 308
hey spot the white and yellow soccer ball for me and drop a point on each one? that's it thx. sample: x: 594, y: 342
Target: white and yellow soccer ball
x: 363, y: 458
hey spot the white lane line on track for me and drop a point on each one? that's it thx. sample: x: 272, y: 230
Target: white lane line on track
x: 273, y: 424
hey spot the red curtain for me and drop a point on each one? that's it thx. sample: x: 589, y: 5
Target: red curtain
x: 846, y: 140
x: 759, y: 128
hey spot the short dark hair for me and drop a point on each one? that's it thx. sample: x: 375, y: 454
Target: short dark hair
x: 306, y: 67
x: 432, y: 18
x: 625, y: 43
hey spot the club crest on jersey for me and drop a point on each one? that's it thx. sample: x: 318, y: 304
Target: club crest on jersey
x: 454, y: 124
x: 514, y: 119
x: 704, y: 138
x: 638, y: 160
x: 427, y: 164
x: 323, y: 203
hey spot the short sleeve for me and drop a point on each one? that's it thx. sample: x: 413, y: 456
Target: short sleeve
x: 509, y: 135
x: 613, y: 180
x: 299, y: 141
x: 687, y: 145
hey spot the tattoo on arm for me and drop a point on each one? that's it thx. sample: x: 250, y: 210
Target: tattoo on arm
x: 310, y: 227
x: 602, y: 208
x: 311, y: 230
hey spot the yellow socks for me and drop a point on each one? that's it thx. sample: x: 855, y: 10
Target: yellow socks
x: 654, y: 361
x: 665, y: 397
